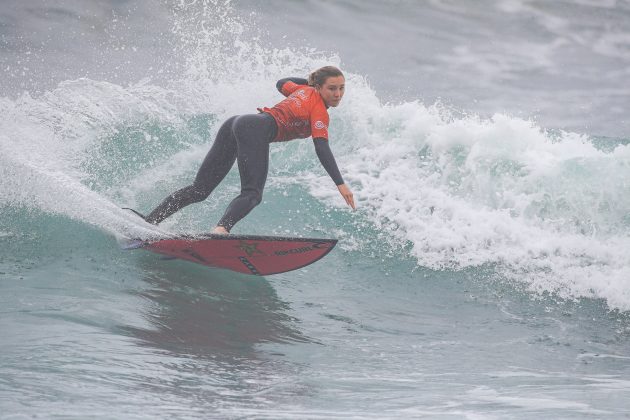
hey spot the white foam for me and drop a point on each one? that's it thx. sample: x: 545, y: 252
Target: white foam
x: 535, y: 402
x: 46, y: 139
x: 549, y: 210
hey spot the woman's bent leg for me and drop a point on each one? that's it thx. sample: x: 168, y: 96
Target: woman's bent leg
x: 253, y: 133
x: 214, y: 168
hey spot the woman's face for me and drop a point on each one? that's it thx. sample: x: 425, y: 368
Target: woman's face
x: 332, y: 90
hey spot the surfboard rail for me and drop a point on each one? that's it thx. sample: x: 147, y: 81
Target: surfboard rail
x: 247, y: 254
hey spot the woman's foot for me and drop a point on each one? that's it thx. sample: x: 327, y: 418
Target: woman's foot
x: 220, y: 230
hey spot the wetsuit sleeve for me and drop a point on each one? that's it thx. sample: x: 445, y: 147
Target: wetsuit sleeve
x: 322, y: 148
x: 288, y: 85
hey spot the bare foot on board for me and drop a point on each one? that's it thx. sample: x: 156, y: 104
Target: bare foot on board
x: 220, y: 230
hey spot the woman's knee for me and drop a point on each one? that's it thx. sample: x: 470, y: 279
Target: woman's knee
x: 254, y: 197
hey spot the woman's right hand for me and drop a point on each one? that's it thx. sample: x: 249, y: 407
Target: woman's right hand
x: 347, y: 195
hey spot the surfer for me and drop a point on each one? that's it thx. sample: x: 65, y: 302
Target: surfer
x: 246, y: 139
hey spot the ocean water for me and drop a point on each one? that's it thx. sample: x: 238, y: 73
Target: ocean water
x: 485, y: 273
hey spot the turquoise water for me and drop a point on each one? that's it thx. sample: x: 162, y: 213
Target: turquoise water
x: 357, y: 335
x: 485, y: 273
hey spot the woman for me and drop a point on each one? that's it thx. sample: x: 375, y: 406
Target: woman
x: 246, y: 139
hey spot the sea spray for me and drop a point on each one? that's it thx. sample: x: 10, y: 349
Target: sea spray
x: 546, y: 209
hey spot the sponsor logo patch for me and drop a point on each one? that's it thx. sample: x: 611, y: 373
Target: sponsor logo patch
x: 319, y: 125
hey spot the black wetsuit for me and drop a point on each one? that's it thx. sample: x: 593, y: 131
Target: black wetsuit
x: 244, y: 138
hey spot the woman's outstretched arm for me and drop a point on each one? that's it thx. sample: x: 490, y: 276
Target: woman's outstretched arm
x: 327, y: 160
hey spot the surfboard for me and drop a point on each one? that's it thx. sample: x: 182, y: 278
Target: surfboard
x: 248, y: 254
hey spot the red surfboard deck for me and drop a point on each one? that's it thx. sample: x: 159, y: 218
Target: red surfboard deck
x: 257, y: 255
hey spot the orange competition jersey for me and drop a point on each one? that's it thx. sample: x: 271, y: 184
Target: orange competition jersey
x: 302, y: 114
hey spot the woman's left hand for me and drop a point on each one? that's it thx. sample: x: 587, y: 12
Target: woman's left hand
x: 347, y: 195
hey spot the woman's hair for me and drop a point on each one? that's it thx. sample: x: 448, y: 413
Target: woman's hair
x: 319, y: 76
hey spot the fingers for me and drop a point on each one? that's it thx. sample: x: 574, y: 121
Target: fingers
x: 350, y: 200
x: 347, y: 195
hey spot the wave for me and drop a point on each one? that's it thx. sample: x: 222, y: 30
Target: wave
x: 546, y: 208
x: 454, y: 190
